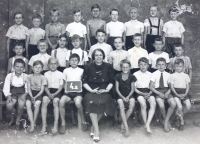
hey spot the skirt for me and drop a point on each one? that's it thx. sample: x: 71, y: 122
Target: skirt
x: 129, y: 42
x: 150, y: 41
x: 181, y: 91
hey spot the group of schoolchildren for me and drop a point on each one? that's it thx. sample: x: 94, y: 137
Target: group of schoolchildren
x: 148, y: 68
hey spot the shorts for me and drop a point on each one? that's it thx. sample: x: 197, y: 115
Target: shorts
x: 111, y: 42
x: 12, y: 44
x: 163, y: 90
x: 17, y: 92
x: 93, y: 40
x: 169, y: 45
x: 53, y: 90
x: 129, y: 42
x: 180, y: 91
x: 34, y: 93
x: 133, y: 70
x: 129, y: 97
x: 150, y: 41
x: 61, y: 69
x: 32, y: 50
x: 72, y: 95
x: 144, y: 90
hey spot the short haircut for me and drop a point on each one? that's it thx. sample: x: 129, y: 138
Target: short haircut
x: 37, y: 16
x: 143, y: 59
x: 62, y: 36
x: 38, y: 62
x: 74, y: 55
x: 19, y: 60
x: 158, y: 39
x: 137, y: 35
x: 100, y: 30
x: 54, y: 10
x: 41, y: 41
x: 173, y: 9
x: 100, y: 50
x: 95, y: 6
x: 18, y: 44
x: 75, y: 36
x: 178, y: 45
x: 153, y: 5
x: 17, y: 14
x: 161, y: 59
x: 117, y: 38
x: 132, y: 9
x: 179, y: 61
x: 77, y: 10
x: 125, y: 61
x: 53, y: 58
x: 114, y: 9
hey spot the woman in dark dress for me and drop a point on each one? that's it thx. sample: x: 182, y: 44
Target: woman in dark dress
x: 98, y: 82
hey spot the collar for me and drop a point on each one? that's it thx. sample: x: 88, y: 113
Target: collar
x: 136, y: 48
x: 76, y: 49
x: 58, y: 23
x: 77, y: 22
x: 53, y: 71
x: 115, y: 21
x: 18, y: 26
x: 13, y: 73
x: 154, y: 18
x: 74, y: 68
x: 98, y: 66
x: 133, y: 20
x: 62, y: 49
x: 100, y: 43
x: 119, y: 50
x: 172, y: 21
x: 178, y: 73
x: 143, y: 72
x: 40, y: 55
x: 160, y: 72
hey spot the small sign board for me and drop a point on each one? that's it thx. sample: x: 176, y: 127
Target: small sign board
x: 74, y: 86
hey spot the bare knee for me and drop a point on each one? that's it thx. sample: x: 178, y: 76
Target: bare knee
x: 45, y: 101
x: 21, y: 105
x: 78, y: 104
x: 55, y: 102
x: 173, y: 104
x: 37, y: 104
x: 188, y: 106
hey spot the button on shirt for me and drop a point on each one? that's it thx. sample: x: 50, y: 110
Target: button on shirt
x: 36, y: 34
x: 173, y: 29
x: 104, y: 46
x: 115, y: 29
x: 134, y: 26
x: 135, y: 54
x: 153, y: 58
x: 61, y: 56
x: 155, y: 77
x: 72, y: 74
x: 52, y: 29
x: 17, y: 81
x: 18, y: 32
x: 179, y: 80
x: 143, y: 79
x: 42, y: 57
x: 76, y: 28
x: 54, y: 79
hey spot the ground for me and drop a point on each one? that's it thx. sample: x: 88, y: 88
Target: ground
x: 109, y: 134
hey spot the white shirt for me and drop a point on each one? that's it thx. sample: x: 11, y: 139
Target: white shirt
x: 104, y: 46
x: 61, y: 56
x: 36, y: 34
x: 135, y: 54
x: 134, y: 26
x: 115, y: 29
x: 179, y: 80
x: 16, y: 82
x: 76, y: 28
x: 143, y: 79
x: 80, y: 52
x: 153, y: 58
x: 154, y: 22
x: 18, y: 32
x: 155, y: 77
x: 54, y: 79
x: 72, y: 74
x: 42, y: 57
x: 173, y: 29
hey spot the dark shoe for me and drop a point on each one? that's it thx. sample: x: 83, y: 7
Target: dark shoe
x: 84, y: 127
x: 178, y: 123
x: 62, y: 129
x: 181, y: 127
x: 19, y: 127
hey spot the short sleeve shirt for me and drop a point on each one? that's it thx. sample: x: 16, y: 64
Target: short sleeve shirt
x: 54, y: 79
x: 36, y: 34
x: 179, y: 80
x: 54, y: 29
x: 115, y: 29
x: 61, y: 54
x: 143, y: 79
x: 18, y: 32
x: 36, y: 84
x: 133, y: 26
x: 155, y: 77
x: 72, y: 74
x: 154, y: 22
x: 153, y: 58
x: 76, y: 28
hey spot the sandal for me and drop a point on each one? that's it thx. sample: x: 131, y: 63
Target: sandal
x: 91, y: 135
x: 96, y: 139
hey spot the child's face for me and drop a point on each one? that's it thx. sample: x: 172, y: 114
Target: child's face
x: 161, y: 66
x: 18, y: 50
x: 77, y: 17
x: 37, y: 69
x: 74, y: 62
x: 54, y: 16
x: 133, y: 14
x: 76, y: 43
x: 153, y: 11
x: 137, y: 41
x: 179, y: 67
x: 125, y: 68
x: 178, y: 51
x: 42, y: 46
x: 173, y: 15
x: 95, y: 12
x: 100, y: 37
x: 62, y: 42
x: 36, y: 22
x: 53, y: 65
x: 158, y: 45
x: 18, y: 19
x: 19, y: 68
x: 143, y: 66
x: 114, y: 16
x: 118, y: 43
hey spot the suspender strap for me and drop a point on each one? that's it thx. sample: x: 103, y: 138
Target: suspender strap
x: 55, y: 53
x: 82, y: 54
x: 158, y: 27
x: 11, y: 78
x: 150, y: 25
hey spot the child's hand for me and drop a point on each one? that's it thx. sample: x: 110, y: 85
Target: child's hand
x: 161, y: 95
x: 22, y: 98
x: 9, y: 99
x: 33, y: 100
x: 127, y: 99
x: 124, y: 99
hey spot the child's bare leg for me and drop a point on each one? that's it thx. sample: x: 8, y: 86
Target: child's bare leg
x: 36, y: 110
x: 131, y: 107
x: 11, y: 111
x: 45, y: 102
x: 30, y: 114
x: 64, y: 99
x: 187, y: 106
x: 143, y: 107
x: 21, y: 104
x: 151, y: 112
x: 122, y: 112
x: 56, y: 114
x: 161, y: 107
x: 94, y: 119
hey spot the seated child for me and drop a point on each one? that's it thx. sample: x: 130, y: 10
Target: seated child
x: 114, y: 28
x: 15, y: 90
x: 35, y: 34
x: 77, y: 28
x: 173, y: 33
x: 53, y: 92
x: 125, y: 85
x: 101, y: 36
x: 18, y: 49
x: 118, y: 55
x: 159, y: 85
x: 73, y: 73
x: 94, y: 24
x: 76, y: 42
x: 153, y: 28
x: 53, y: 30
x: 42, y: 56
x: 180, y: 84
x: 132, y: 27
x: 179, y: 50
x: 61, y: 52
x: 153, y: 56
x: 36, y: 85
x: 143, y: 93
x: 136, y: 52
x: 16, y: 33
